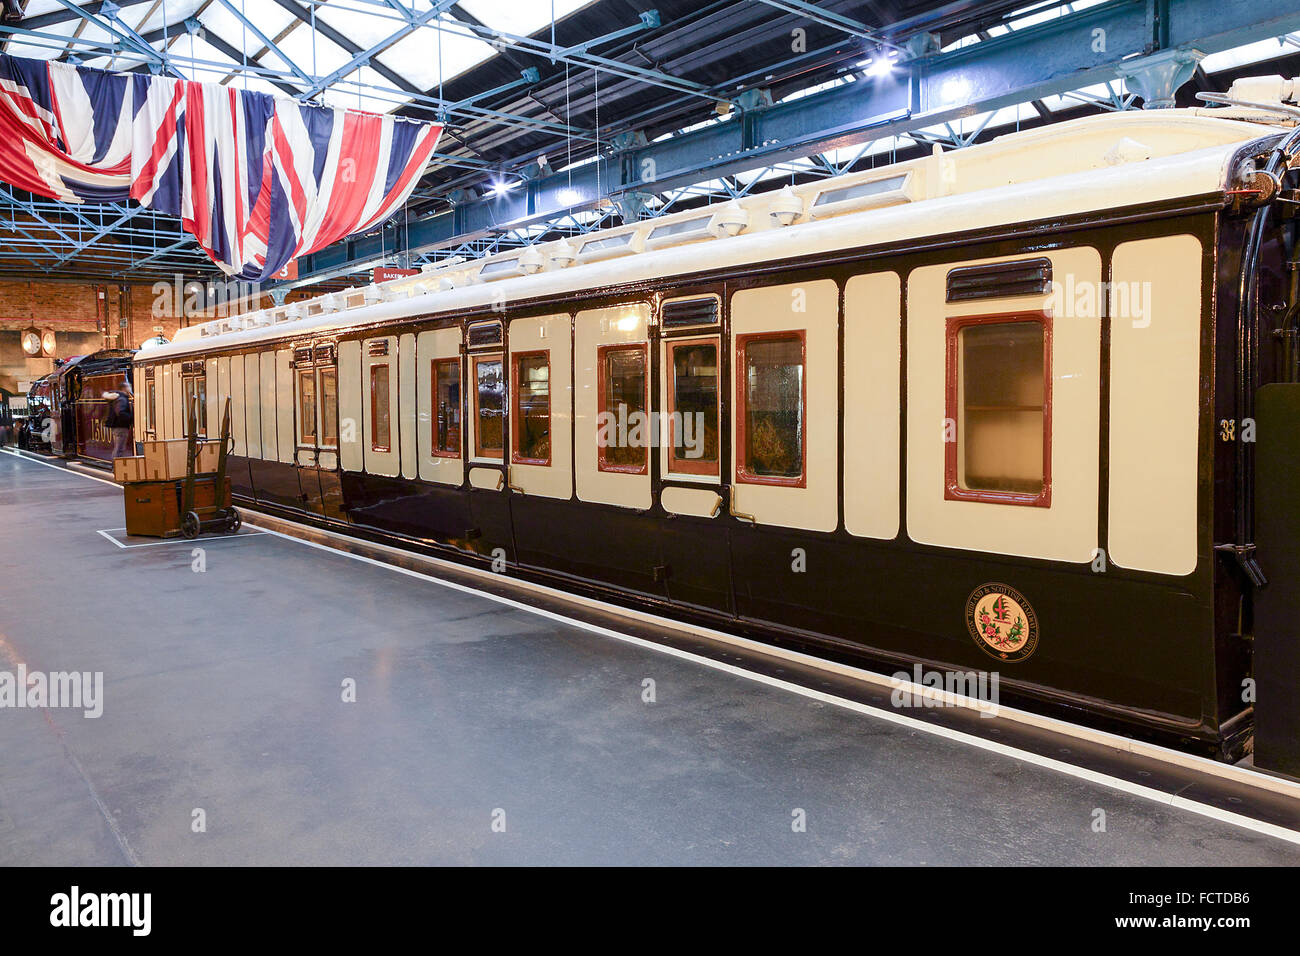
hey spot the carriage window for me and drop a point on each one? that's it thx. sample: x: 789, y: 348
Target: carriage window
x: 151, y: 406
x: 771, y: 394
x: 489, y: 407
x: 329, y: 407
x: 307, y: 406
x: 999, y: 399
x: 196, y: 388
x: 446, y: 399
x: 622, y: 436
x: 201, y: 391
x: 532, y: 411
x: 381, y: 429
x: 693, y: 404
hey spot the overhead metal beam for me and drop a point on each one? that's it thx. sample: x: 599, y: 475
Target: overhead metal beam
x: 829, y: 18
x: 267, y: 42
x: 363, y: 58
x: 1053, y: 57
x: 114, y: 26
x: 63, y: 16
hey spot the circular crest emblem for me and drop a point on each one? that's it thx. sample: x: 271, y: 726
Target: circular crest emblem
x: 1002, y: 622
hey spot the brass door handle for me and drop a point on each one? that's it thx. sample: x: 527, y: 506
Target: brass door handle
x: 740, y: 514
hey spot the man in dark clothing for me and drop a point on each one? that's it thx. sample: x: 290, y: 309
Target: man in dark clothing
x: 118, y: 420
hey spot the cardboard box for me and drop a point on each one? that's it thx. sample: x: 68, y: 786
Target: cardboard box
x: 209, y: 451
x: 165, y: 459
x: 128, y: 469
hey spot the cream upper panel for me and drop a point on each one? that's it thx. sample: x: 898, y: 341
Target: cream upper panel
x: 811, y: 308
x: 872, y: 367
x: 1065, y: 531
x: 1155, y: 362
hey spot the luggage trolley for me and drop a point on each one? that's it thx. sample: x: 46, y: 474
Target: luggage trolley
x: 220, y: 515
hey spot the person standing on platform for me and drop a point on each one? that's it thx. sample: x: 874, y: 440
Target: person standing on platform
x: 118, y: 420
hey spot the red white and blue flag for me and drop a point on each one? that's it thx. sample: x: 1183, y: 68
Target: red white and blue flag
x: 257, y: 179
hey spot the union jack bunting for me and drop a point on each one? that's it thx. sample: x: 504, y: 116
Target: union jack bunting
x: 257, y: 179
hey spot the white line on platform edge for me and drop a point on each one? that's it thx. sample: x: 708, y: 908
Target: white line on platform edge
x: 1172, y: 800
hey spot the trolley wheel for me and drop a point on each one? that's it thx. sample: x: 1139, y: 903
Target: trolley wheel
x: 190, y: 525
x: 234, y: 522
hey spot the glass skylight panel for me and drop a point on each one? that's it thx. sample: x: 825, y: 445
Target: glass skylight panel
x: 40, y: 49
x: 366, y: 27
x: 215, y: 66
x: 270, y: 18
x: 375, y: 95
x: 521, y: 19
x: 37, y: 7
x: 175, y: 12
x: 316, y: 54
x: 1243, y: 55
x: 415, y: 56
x: 256, y: 84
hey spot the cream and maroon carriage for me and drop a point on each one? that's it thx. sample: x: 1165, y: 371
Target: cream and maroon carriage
x: 987, y: 409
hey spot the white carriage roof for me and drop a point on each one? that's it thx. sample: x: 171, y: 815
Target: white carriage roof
x: 1098, y: 162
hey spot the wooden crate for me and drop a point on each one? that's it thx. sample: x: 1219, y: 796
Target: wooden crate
x: 152, y: 508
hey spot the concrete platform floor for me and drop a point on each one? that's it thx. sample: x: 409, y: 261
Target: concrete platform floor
x: 223, y: 693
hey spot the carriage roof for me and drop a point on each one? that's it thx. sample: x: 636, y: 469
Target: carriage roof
x: 1099, y: 162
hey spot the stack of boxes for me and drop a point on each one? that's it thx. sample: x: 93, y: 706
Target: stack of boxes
x: 165, y: 460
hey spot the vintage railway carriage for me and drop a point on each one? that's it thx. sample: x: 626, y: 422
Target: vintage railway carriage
x: 78, y: 407
x: 971, y: 411
x: 38, y: 424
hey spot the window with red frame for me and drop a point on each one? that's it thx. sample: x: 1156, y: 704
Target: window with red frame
x: 381, y: 423
x: 329, y: 407
x: 307, y: 406
x: 489, y: 407
x: 622, y: 397
x: 999, y: 392
x: 693, y: 406
x: 445, y: 376
x: 771, y: 399
x: 531, y: 427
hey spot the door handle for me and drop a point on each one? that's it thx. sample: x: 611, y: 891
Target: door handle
x: 740, y: 514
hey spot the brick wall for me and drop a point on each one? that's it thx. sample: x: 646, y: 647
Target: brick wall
x: 84, y: 322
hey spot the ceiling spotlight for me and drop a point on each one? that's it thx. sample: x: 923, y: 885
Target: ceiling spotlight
x: 501, y: 186
x: 881, y: 65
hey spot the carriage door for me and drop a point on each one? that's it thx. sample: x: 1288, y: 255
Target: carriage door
x: 539, y: 469
x: 691, y: 389
x: 784, y: 443
x: 316, y: 418
x: 619, y: 540
x: 486, y: 437
x: 1277, y: 604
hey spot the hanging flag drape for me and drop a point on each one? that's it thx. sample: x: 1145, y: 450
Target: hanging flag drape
x: 257, y: 179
